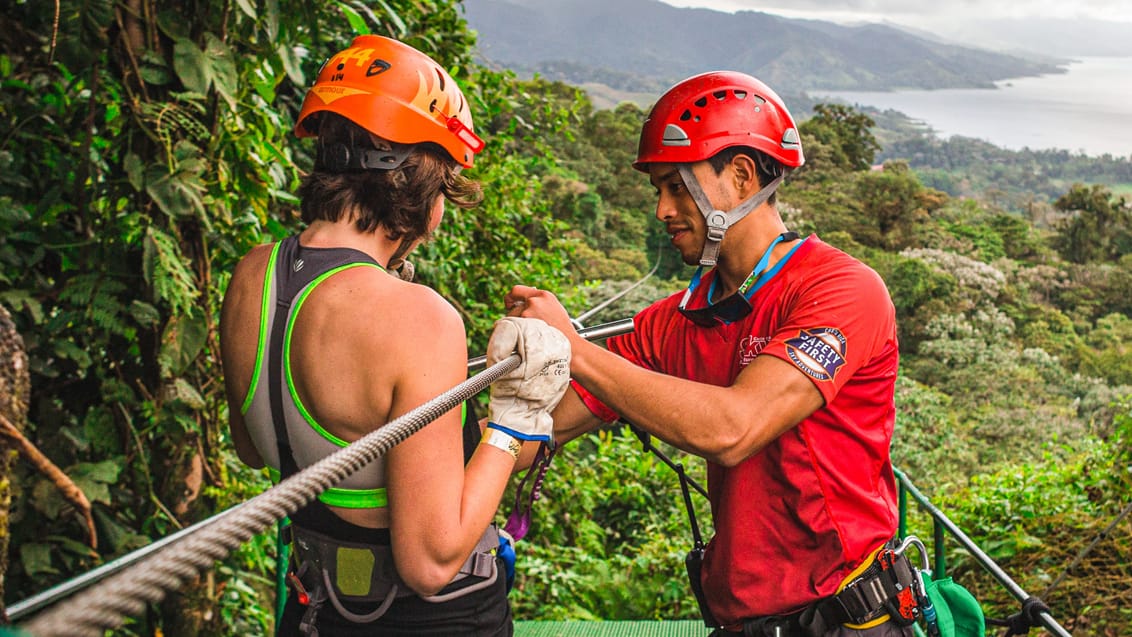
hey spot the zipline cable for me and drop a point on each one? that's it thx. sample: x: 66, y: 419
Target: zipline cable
x: 126, y: 594
x: 28, y: 607
x: 595, y: 333
x: 580, y: 320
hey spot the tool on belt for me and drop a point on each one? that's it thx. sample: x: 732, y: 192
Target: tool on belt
x: 889, y: 586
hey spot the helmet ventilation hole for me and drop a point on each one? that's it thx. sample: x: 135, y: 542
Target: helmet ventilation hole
x: 440, y: 76
x: 740, y: 94
x: 720, y: 95
x: 702, y: 102
x: 686, y: 115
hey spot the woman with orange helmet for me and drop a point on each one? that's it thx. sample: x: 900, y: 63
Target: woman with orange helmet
x: 325, y: 338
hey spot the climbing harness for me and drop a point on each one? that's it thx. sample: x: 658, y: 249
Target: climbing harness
x: 336, y: 571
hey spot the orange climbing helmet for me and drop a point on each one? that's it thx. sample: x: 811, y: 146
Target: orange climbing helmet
x: 395, y: 92
x: 706, y: 113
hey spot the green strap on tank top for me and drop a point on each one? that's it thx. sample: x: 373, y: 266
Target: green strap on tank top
x: 346, y: 498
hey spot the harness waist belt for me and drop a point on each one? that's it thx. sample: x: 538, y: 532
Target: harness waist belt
x: 884, y: 588
x: 328, y: 569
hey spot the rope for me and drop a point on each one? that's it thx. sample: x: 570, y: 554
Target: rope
x: 105, y: 606
x: 1021, y: 622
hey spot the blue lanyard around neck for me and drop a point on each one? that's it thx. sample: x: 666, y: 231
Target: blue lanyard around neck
x: 754, y: 280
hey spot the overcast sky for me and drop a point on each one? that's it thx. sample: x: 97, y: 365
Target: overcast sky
x: 923, y: 13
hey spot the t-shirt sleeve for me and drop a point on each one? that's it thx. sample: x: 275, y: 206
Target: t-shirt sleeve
x: 836, y: 324
x: 632, y: 347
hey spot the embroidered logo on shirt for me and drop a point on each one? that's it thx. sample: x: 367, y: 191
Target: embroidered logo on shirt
x: 818, y: 352
x: 297, y: 265
x: 750, y: 347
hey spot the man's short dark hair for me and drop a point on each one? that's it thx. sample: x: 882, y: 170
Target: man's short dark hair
x: 766, y: 167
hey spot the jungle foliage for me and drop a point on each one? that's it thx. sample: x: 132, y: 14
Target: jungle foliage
x: 146, y: 146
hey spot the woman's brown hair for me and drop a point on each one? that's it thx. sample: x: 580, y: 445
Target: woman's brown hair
x: 398, y: 200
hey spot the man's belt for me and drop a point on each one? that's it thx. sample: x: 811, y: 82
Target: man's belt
x: 886, y: 587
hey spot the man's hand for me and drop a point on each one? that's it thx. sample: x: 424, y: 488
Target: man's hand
x: 522, y: 400
x: 531, y: 302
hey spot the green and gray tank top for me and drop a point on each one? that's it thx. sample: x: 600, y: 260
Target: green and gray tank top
x: 285, y: 433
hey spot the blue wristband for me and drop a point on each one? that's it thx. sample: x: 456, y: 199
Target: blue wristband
x: 520, y: 436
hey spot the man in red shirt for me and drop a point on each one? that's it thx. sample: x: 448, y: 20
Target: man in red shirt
x: 777, y: 365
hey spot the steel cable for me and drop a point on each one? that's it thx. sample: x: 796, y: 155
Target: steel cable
x: 106, y: 605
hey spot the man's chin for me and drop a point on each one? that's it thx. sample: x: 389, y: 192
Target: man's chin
x: 690, y: 259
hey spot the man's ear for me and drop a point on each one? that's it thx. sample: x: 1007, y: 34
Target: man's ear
x: 745, y: 173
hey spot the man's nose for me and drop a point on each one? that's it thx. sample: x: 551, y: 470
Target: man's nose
x: 665, y: 208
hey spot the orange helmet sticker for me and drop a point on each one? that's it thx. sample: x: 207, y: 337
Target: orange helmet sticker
x: 330, y: 93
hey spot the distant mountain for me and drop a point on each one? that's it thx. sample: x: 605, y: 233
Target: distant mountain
x: 645, y: 46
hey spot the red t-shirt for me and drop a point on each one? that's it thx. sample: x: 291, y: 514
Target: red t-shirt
x: 793, y: 520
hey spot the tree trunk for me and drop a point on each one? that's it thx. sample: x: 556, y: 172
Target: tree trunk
x: 14, y: 390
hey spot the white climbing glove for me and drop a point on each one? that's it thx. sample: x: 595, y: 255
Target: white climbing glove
x: 522, y: 400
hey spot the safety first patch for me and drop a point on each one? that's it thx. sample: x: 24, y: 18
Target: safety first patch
x: 819, y: 352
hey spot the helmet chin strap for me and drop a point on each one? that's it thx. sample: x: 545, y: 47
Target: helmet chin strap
x: 398, y: 265
x: 718, y: 221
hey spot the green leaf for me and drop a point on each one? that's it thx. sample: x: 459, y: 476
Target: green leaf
x: 144, y: 314
x: 271, y: 20
x: 183, y: 339
x: 164, y: 268
x: 222, y: 68
x: 179, y: 193
x: 247, y: 7
x: 357, y: 22
x: 291, y: 63
x: 93, y: 490
x: 394, y: 17
x: 16, y: 299
x: 65, y: 348
x: 180, y: 390
x: 135, y: 171
x: 106, y: 471
x: 153, y: 69
x: 36, y: 559
x: 46, y: 499
x: 119, y: 537
x: 214, y: 66
x: 189, y: 63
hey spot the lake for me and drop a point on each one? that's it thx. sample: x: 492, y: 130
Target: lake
x: 1087, y: 109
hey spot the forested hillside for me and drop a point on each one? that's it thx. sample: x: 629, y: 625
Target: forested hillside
x: 145, y: 146
x: 648, y: 45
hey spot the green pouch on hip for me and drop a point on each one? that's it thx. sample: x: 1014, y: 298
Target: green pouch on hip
x: 957, y: 610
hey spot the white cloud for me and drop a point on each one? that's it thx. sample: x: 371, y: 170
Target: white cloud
x: 924, y: 13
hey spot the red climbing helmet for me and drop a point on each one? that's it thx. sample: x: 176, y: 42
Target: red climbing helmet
x: 707, y: 113
x: 395, y: 92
